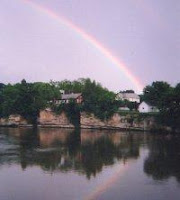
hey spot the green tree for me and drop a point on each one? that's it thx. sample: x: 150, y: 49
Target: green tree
x: 9, y: 97
x: 26, y: 103
x: 170, y: 110
x: 45, y: 93
x: 26, y: 99
x: 98, y: 100
x: 156, y: 93
x: 75, y: 86
x: 1, y: 98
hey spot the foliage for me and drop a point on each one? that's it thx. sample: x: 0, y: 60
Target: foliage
x: 25, y: 99
x: 127, y: 91
x: 9, y: 97
x: 75, y: 86
x: 167, y: 99
x: 170, y: 110
x: 99, y: 100
x: 96, y: 99
x: 72, y: 111
x: 156, y: 93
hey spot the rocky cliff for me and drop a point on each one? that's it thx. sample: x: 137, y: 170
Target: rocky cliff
x: 48, y: 118
x: 13, y: 120
x: 117, y: 121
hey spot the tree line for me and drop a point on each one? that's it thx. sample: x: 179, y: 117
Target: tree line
x: 27, y: 99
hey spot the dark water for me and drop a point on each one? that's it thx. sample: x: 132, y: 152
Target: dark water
x: 60, y: 164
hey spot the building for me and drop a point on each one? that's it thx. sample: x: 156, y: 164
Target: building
x: 132, y: 97
x: 125, y: 108
x: 147, y: 108
x: 66, y: 98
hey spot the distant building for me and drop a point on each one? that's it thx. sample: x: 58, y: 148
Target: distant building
x: 147, y: 108
x: 66, y: 98
x: 124, y: 108
x: 132, y: 97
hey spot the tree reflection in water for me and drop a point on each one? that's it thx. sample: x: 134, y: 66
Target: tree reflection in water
x: 87, y: 152
x: 54, y: 150
x: 163, y: 161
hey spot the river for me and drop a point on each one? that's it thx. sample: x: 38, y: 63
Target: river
x: 63, y: 164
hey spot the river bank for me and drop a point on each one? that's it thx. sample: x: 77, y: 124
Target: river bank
x: 119, y: 121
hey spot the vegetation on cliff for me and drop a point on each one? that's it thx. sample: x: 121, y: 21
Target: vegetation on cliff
x: 167, y: 99
x: 27, y: 99
x: 72, y: 111
x: 96, y: 99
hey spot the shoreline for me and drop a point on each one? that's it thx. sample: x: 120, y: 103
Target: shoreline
x: 73, y: 128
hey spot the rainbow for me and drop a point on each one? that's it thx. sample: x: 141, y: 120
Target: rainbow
x: 118, y: 172
x: 91, y: 40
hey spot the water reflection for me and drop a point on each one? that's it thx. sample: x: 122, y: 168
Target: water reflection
x: 85, y: 152
x: 163, y: 161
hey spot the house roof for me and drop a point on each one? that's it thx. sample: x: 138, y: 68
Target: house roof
x: 70, y: 96
x: 148, y: 104
x: 129, y: 95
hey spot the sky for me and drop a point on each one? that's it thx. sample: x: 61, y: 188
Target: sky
x: 42, y: 40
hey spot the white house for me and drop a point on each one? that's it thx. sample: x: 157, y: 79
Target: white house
x: 147, y: 108
x: 133, y: 97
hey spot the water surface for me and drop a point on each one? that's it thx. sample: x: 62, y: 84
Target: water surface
x: 62, y: 164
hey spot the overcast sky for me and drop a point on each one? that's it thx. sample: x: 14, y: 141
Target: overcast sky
x: 144, y: 34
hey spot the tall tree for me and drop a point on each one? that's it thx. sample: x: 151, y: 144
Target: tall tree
x: 156, y: 93
x: 98, y: 100
x: 170, y: 111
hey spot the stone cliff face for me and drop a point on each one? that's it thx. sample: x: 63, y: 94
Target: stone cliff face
x: 117, y: 121
x: 47, y: 118
x: 13, y: 120
x: 90, y: 121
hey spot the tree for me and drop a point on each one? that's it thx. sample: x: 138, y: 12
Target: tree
x: 170, y: 110
x: 45, y: 93
x: 9, y: 97
x: 98, y: 100
x: 26, y: 99
x: 75, y: 86
x: 156, y: 93
x: 26, y: 104
x: 1, y: 98
x: 127, y: 91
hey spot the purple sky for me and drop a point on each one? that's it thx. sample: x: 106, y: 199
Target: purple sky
x: 144, y: 34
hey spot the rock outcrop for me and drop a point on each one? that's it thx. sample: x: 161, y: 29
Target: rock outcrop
x: 117, y: 121
x: 13, y: 120
x: 48, y: 118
